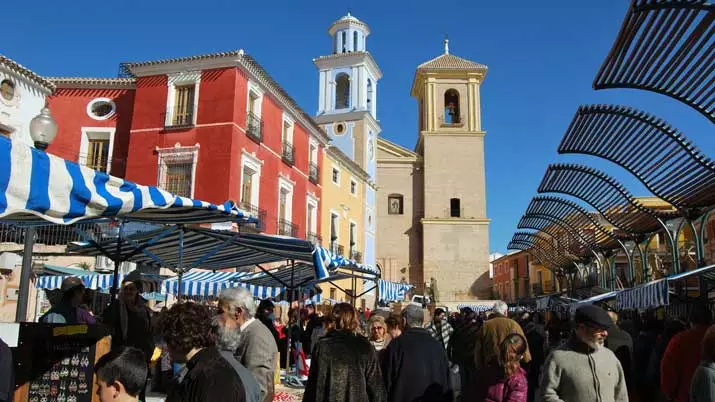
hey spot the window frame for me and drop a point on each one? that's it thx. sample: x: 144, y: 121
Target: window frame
x: 288, y: 186
x: 178, y: 80
x: 452, y: 207
x: 177, y: 154
x: 96, y: 133
x: 347, y: 90
x: 333, y: 176
x: 109, y: 115
x: 311, y: 222
x: 251, y: 162
x: 287, y: 129
x: 353, y: 187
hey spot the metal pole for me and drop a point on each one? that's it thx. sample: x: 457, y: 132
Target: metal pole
x: 21, y: 312
x: 117, y: 262
x: 179, y: 267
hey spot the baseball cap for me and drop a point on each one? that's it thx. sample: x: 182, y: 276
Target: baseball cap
x: 594, y: 316
x: 70, y: 283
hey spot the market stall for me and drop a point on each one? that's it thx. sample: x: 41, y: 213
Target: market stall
x: 392, y: 291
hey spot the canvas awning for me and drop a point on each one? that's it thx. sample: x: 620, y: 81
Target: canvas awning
x: 37, y: 187
x: 392, y: 291
x: 656, y: 293
x: 51, y: 277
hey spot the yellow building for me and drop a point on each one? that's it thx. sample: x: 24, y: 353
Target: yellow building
x: 541, y: 279
x: 342, y: 213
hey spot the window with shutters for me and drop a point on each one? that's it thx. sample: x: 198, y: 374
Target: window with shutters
x: 178, y: 179
x: 98, y: 155
x: 177, y: 167
x: 184, y: 105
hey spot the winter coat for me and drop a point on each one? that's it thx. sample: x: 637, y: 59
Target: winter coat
x: 679, y: 362
x: 621, y: 344
x: 492, y: 387
x: 702, y: 389
x: 441, y: 332
x: 416, y: 368
x: 492, y: 334
x: 344, y: 368
x: 574, y: 372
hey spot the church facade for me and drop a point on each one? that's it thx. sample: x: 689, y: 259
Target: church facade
x: 433, y: 230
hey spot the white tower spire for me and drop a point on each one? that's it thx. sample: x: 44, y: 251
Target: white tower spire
x: 446, y: 44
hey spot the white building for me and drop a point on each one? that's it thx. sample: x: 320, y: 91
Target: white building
x: 22, y: 96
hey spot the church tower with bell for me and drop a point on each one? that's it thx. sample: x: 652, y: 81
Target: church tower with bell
x: 436, y: 193
x: 347, y: 108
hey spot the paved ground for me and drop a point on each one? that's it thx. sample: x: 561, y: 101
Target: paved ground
x: 283, y: 394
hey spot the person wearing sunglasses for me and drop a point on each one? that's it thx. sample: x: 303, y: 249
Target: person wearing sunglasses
x: 583, y: 369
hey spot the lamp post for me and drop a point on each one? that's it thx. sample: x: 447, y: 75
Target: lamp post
x: 43, y: 130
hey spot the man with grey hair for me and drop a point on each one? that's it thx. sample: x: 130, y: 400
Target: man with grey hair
x: 256, y: 348
x: 227, y: 341
x: 415, y: 365
x: 493, y: 332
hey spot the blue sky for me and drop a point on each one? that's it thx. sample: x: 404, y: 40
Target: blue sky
x: 542, y: 59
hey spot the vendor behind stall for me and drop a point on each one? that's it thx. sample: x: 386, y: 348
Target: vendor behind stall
x: 130, y: 318
x: 67, y: 311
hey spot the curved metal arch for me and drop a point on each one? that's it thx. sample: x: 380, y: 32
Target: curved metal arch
x: 657, y: 154
x: 539, y: 254
x: 556, y: 228
x: 666, y: 47
x: 549, y: 246
x: 576, y: 217
x: 606, y: 195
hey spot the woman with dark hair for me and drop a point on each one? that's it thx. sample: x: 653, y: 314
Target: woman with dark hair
x: 187, y: 330
x: 130, y: 319
x: 504, y: 380
x: 344, y: 366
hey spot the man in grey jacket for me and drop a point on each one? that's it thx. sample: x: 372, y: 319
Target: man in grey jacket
x: 257, y: 349
x: 583, y: 369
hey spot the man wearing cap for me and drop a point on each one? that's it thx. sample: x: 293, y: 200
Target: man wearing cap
x: 415, y: 365
x: 67, y: 310
x: 583, y: 369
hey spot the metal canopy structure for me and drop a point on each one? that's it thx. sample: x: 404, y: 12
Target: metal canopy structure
x: 667, y: 47
x: 549, y: 251
x: 606, y: 195
x: 663, y: 159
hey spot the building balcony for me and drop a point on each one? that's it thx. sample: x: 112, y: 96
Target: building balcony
x: 313, y: 174
x: 337, y: 249
x: 313, y: 238
x: 259, y: 213
x: 254, y: 127
x: 356, y: 256
x: 287, y: 228
x: 288, y: 154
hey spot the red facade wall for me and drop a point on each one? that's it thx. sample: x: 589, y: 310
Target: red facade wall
x: 69, y: 108
x: 220, y: 134
x: 504, y: 275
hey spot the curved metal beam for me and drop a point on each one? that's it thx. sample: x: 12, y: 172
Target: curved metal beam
x: 550, y: 225
x: 657, y: 154
x: 666, y: 47
x: 536, y: 252
x: 606, y: 195
x: 550, y: 247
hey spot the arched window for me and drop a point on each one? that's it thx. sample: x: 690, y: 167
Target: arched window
x: 369, y: 94
x: 345, y: 41
x: 342, y: 91
x: 395, y: 204
x: 451, y: 107
x: 454, y: 208
x: 355, y: 41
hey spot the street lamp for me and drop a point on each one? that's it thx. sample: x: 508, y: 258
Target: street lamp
x: 43, y: 130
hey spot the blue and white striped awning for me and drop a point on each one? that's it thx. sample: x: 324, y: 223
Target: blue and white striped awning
x: 326, y: 262
x: 650, y: 295
x: 392, y: 291
x: 96, y: 281
x: 594, y: 299
x: 210, y: 284
x: 36, y: 187
x: 476, y: 307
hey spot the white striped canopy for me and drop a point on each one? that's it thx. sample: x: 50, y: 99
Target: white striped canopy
x: 656, y: 293
x: 392, y: 291
x: 594, y: 299
x: 95, y: 281
x: 36, y: 186
x: 476, y: 307
x: 203, y: 283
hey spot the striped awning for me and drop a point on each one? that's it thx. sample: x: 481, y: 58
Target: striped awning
x: 594, y: 299
x: 476, y: 307
x: 203, y: 283
x: 650, y: 295
x: 36, y: 187
x: 97, y: 281
x: 392, y: 291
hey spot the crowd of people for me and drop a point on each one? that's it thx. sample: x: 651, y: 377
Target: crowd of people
x: 230, y: 352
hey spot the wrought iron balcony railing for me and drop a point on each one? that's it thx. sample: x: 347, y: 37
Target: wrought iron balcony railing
x: 288, y: 153
x: 287, y: 228
x: 314, y: 238
x: 356, y: 256
x: 254, y: 127
x: 261, y: 214
x: 313, y: 174
x: 180, y: 120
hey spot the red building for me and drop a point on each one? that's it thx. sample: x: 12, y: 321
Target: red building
x: 214, y: 127
x: 511, y: 276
